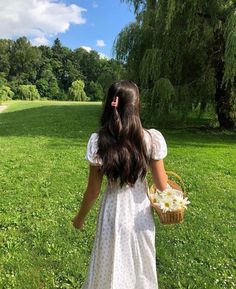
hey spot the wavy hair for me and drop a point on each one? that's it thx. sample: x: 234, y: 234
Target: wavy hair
x: 121, y: 144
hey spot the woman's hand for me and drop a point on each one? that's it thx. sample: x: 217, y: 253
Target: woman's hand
x: 78, y: 223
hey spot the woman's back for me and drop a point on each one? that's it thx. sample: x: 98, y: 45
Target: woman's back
x: 154, y: 140
x: 124, y: 251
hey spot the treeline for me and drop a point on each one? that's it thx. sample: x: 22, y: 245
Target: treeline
x: 57, y: 72
x: 182, y: 54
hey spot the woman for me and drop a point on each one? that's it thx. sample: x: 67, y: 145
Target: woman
x: 123, y: 254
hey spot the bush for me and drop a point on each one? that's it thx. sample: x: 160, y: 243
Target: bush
x: 76, y: 91
x: 5, y: 93
x: 28, y: 92
x: 61, y: 95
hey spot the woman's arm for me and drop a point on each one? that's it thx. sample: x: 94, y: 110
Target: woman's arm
x: 90, y: 196
x: 159, y: 174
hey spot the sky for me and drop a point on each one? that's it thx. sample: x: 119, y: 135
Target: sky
x: 92, y: 24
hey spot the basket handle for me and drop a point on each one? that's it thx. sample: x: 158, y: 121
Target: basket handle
x: 178, y: 177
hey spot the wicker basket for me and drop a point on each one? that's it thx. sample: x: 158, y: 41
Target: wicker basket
x: 169, y: 217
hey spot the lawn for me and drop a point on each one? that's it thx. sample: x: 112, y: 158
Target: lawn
x: 43, y: 175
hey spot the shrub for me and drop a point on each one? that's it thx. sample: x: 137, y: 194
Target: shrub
x: 28, y: 92
x: 76, y: 91
x: 5, y: 93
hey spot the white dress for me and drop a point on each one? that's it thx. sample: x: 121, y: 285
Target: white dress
x: 124, y: 253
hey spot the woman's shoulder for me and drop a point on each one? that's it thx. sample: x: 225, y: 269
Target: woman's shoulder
x: 156, y: 134
x: 92, y: 148
x: 157, y: 143
x: 93, y: 137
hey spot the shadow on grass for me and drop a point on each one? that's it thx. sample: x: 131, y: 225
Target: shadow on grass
x: 63, y: 121
x: 200, y: 137
x: 78, y: 121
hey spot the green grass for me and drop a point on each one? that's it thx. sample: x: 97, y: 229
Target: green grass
x: 43, y: 175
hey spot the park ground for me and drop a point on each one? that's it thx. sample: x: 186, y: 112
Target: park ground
x: 43, y: 175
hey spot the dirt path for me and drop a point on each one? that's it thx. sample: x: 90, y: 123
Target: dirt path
x: 2, y: 107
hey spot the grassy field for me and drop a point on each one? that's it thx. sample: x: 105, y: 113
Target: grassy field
x: 43, y: 175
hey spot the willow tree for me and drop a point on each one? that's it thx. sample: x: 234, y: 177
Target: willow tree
x: 183, y: 55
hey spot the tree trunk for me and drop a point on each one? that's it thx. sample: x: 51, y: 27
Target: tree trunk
x: 224, y: 101
x: 224, y: 95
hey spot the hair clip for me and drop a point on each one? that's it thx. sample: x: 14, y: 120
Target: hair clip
x: 115, y: 102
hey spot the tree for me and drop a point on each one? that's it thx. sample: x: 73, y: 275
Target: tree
x: 5, y: 48
x: 5, y: 93
x: 76, y: 91
x: 89, y: 63
x: 70, y: 73
x: 112, y: 70
x: 63, y: 65
x: 47, y: 84
x: 94, y: 91
x: 28, y: 92
x: 54, y: 69
x: 3, y: 80
x: 183, y: 56
x: 25, y: 61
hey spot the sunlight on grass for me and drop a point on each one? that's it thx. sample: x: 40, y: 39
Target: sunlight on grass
x: 43, y: 176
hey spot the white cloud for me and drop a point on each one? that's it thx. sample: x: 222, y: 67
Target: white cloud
x: 103, y: 56
x: 38, y: 19
x: 100, y: 43
x: 87, y: 48
x: 40, y: 41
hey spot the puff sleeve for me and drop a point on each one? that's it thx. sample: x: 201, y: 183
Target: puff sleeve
x: 91, y: 153
x: 159, y: 147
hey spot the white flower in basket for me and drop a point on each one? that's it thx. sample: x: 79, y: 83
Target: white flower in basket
x: 170, y: 199
x: 171, y: 203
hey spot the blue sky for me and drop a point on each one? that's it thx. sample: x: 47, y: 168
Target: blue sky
x: 93, y: 24
x: 105, y: 19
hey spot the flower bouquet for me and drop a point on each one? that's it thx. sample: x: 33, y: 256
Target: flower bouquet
x: 171, y: 203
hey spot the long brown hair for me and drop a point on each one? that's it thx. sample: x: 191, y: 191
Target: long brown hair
x: 121, y: 144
